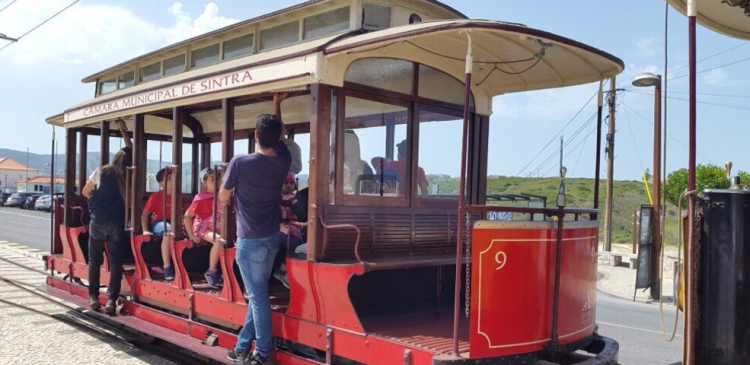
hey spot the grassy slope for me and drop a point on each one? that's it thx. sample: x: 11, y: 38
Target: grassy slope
x: 628, y: 197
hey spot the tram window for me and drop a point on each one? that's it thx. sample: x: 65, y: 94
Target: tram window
x: 326, y: 23
x: 107, y: 86
x: 204, y: 56
x: 126, y: 80
x: 372, y: 130
x: 383, y: 73
x: 187, y: 168
x: 159, y: 156
x: 174, y: 65
x: 438, y: 85
x: 238, y: 47
x: 279, y: 35
x: 150, y: 73
x: 439, y: 154
x: 377, y: 17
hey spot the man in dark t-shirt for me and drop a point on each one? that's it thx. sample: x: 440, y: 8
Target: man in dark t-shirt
x: 256, y: 180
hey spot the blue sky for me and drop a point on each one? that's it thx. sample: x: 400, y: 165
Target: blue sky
x: 40, y: 76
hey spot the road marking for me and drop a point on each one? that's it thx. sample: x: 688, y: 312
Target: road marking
x: 25, y: 215
x: 23, y: 224
x: 631, y: 328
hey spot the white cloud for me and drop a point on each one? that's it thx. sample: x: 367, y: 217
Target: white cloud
x: 716, y: 77
x: 646, y: 47
x: 95, y: 33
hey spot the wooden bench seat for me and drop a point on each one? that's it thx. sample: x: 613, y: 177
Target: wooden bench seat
x: 392, y: 238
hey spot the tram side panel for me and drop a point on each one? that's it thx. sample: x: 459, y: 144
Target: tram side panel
x: 512, y: 286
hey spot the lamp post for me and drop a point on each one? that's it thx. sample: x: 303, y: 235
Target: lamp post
x: 648, y: 79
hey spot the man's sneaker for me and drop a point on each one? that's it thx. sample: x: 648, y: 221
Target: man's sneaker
x: 111, y: 306
x: 214, y: 279
x: 169, y: 272
x: 256, y: 359
x: 94, y: 302
x: 281, y: 276
x: 236, y: 355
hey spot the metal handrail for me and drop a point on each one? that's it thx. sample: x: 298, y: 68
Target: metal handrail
x: 217, y: 182
x: 549, y: 212
x: 128, y: 198
x: 342, y: 226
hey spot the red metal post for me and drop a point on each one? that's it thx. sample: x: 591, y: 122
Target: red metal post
x: 656, y: 176
x: 691, y: 259
x: 461, y: 200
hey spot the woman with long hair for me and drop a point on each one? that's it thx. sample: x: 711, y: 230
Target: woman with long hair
x: 106, y: 192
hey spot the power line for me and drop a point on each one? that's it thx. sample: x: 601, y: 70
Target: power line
x: 712, y: 69
x: 572, y: 150
x: 40, y: 24
x: 6, y: 6
x: 570, y: 140
x: 709, y: 57
x: 730, y: 106
x: 669, y: 135
x: 558, y: 134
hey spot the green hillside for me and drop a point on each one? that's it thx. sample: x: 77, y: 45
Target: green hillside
x: 628, y: 197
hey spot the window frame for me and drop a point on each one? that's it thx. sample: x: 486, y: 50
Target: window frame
x: 302, y: 24
x: 357, y: 200
x: 414, y: 104
x: 299, y: 36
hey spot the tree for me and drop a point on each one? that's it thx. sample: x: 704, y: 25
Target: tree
x: 706, y: 177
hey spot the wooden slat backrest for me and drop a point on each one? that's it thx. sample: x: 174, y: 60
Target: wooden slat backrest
x: 391, y: 232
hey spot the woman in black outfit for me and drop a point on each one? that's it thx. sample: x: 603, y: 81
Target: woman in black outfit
x: 106, y: 192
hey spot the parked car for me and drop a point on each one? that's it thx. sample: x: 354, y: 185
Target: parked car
x: 4, y: 197
x: 30, y: 202
x: 44, y: 203
x: 18, y: 199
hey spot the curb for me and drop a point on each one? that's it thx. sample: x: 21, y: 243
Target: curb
x: 23, y: 250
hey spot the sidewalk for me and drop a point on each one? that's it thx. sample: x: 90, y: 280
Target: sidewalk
x: 28, y: 337
x: 619, y: 281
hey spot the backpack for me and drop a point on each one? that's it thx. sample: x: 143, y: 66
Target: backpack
x: 299, y: 205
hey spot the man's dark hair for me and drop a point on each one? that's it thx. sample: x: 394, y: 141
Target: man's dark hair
x: 269, y: 130
x: 160, y: 174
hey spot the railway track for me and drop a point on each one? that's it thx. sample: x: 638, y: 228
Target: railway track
x: 85, y: 320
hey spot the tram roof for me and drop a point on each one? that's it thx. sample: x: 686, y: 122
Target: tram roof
x: 512, y: 48
x: 719, y: 17
x: 445, y: 11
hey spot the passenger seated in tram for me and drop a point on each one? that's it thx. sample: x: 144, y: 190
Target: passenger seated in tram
x: 156, y: 221
x: 291, y: 232
x: 199, y: 218
x: 353, y: 160
x: 401, y: 168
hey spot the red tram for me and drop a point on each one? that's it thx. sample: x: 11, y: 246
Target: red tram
x: 411, y: 273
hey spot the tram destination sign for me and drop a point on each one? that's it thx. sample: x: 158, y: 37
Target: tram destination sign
x: 212, y: 84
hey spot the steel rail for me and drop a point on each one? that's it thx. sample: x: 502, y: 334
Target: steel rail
x: 75, y: 321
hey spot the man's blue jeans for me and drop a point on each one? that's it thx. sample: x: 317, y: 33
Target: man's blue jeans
x: 255, y: 259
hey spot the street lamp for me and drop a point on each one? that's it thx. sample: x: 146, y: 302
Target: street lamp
x: 648, y: 79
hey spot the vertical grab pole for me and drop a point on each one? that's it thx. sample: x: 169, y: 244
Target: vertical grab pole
x: 52, y: 186
x: 461, y: 192
x: 600, y: 106
x: 691, y: 272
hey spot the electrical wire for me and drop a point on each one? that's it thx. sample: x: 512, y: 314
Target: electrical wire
x: 6, y: 6
x: 40, y: 24
x: 570, y: 140
x: 581, y: 152
x: 711, y: 69
x: 571, y: 151
x: 709, y: 57
x: 558, y: 133
x: 632, y: 134
x: 730, y: 106
x: 669, y: 135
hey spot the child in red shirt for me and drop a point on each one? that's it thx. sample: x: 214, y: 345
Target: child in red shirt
x: 156, y: 221
x: 199, y: 221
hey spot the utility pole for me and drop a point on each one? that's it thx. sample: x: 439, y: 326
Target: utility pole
x: 611, y: 99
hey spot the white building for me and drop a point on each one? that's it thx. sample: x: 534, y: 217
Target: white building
x: 11, y: 172
x: 41, y: 184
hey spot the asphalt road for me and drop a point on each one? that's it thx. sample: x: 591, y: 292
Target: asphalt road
x: 25, y: 227
x: 634, y: 325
